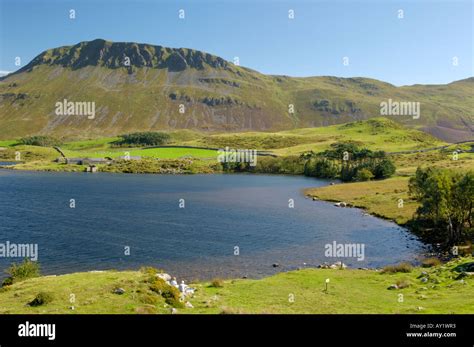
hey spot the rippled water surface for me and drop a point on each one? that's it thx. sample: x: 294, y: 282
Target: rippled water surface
x: 222, y: 212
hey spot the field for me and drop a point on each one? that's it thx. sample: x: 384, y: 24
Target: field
x: 376, y: 134
x: 302, y: 291
x: 161, y: 153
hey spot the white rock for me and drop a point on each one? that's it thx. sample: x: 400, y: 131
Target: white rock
x: 164, y: 276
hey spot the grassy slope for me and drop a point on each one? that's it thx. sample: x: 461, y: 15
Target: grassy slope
x: 381, y: 197
x: 140, y: 100
x: 376, y: 133
x: 350, y: 291
x: 162, y: 153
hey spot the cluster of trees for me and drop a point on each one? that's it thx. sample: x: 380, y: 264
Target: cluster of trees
x: 348, y: 162
x: 446, y: 202
x: 290, y: 165
x: 148, y: 138
x: 40, y: 140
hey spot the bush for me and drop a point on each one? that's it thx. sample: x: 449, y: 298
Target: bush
x: 40, y: 140
x: 149, y: 299
x: 26, y: 269
x: 169, y: 293
x: 430, y: 262
x: 364, y: 175
x: 321, y: 168
x: 144, y: 139
x: 176, y: 303
x: 159, y: 285
x: 150, y: 271
x: 384, y: 169
x: 402, y: 267
x: 42, y: 298
x: 403, y: 283
x: 217, y: 283
x: 7, y: 282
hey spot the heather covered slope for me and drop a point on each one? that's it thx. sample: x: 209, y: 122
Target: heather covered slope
x: 217, y: 95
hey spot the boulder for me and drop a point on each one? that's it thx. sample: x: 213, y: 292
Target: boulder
x: 119, y: 291
x: 164, y: 276
x: 338, y: 265
x: 423, y: 274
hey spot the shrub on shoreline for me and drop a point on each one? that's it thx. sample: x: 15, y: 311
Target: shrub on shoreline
x: 19, y: 272
x: 402, y: 267
x: 171, y: 294
x: 430, y: 262
x: 217, y: 283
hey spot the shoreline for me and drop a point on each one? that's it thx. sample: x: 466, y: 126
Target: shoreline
x: 436, y: 289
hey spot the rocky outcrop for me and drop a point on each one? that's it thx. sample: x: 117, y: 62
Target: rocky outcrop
x: 126, y: 55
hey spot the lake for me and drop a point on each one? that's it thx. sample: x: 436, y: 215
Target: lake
x: 231, y: 225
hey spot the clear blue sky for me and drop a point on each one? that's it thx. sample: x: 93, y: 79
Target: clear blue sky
x: 416, y: 49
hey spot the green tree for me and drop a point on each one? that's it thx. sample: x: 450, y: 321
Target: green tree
x: 147, y: 138
x: 364, y: 175
x: 384, y: 169
x: 322, y: 168
x: 446, y: 202
x: 40, y: 140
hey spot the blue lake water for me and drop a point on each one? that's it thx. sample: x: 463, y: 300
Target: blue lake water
x: 222, y: 212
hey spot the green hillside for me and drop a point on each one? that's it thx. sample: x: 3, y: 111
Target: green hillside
x: 376, y: 134
x: 217, y: 96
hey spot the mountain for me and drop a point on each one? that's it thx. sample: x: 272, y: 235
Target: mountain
x: 144, y: 87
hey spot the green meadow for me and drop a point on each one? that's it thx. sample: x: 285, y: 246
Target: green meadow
x: 157, y: 153
x: 375, y: 134
x: 448, y: 289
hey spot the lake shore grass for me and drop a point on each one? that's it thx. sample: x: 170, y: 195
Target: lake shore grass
x: 379, y: 198
x: 445, y: 291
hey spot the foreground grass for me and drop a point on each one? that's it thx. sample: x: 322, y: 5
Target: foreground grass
x: 350, y: 291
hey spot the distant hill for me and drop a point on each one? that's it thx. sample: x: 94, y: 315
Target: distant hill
x: 142, y: 87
